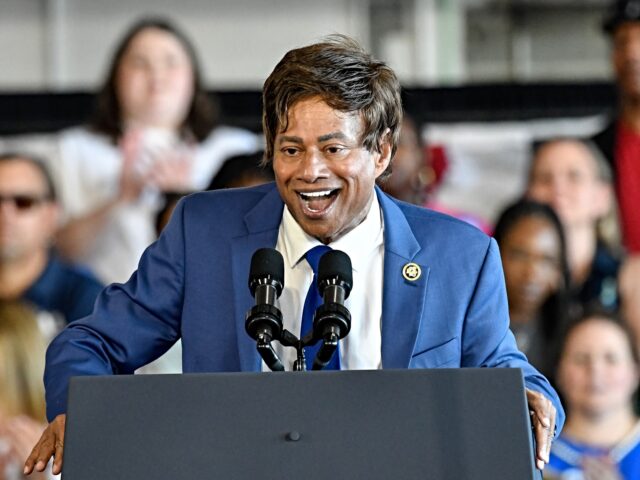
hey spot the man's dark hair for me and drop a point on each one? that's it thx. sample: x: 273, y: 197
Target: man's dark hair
x: 107, y: 116
x: 346, y: 78
x: 38, y: 164
x: 619, y: 12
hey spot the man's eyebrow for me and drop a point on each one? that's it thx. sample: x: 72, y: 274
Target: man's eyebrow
x: 286, y: 138
x: 331, y: 136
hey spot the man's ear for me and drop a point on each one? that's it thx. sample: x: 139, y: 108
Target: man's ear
x: 383, y: 156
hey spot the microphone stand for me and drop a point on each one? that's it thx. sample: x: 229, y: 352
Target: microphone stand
x: 330, y: 337
x: 288, y: 339
x: 331, y: 322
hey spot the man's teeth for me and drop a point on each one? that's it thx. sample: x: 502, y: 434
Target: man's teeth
x: 310, y: 195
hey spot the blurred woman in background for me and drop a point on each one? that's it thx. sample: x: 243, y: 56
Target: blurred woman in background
x: 153, y: 131
x: 22, y: 407
x: 572, y: 177
x: 597, y: 376
x: 533, y: 253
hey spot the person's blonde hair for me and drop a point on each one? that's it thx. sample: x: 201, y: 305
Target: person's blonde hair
x: 607, y: 226
x: 22, y: 356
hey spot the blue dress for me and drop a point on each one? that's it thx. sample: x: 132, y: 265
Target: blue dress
x: 566, y: 457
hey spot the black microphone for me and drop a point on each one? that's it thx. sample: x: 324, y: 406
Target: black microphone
x: 332, y: 320
x: 264, y: 321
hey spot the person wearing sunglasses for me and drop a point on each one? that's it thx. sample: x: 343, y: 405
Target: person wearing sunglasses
x: 29, y: 269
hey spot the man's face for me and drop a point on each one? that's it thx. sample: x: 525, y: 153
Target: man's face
x: 323, y: 173
x: 27, y: 219
x: 626, y: 58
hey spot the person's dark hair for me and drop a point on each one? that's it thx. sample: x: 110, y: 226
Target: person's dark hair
x: 38, y: 164
x: 241, y: 168
x: 346, y: 78
x: 107, y: 116
x: 597, y: 313
x: 555, y: 311
x: 170, y: 200
x: 619, y: 12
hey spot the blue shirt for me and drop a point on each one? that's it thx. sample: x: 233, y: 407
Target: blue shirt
x: 601, y: 286
x: 64, y: 289
x: 566, y: 457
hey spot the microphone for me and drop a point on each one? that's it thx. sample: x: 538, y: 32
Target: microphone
x: 263, y: 322
x: 332, y: 320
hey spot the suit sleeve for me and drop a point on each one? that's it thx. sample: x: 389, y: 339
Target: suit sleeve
x: 487, y: 340
x: 131, y: 325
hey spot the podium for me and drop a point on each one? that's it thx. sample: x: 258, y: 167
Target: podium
x: 440, y: 424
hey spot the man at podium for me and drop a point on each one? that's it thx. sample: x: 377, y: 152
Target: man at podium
x: 428, y: 290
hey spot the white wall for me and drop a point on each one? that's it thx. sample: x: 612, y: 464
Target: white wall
x: 65, y: 44
x: 22, y: 44
x: 549, y: 42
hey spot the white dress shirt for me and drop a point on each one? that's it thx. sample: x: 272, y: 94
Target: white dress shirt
x: 361, y: 349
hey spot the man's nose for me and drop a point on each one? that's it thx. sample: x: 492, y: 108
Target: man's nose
x: 313, y: 166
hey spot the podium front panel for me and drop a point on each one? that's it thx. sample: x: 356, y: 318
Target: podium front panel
x: 440, y: 424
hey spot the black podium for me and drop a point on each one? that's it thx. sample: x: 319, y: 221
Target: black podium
x: 447, y: 424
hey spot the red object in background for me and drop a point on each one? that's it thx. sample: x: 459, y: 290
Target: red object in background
x: 627, y: 157
x: 437, y: 160
x: 439, y: 164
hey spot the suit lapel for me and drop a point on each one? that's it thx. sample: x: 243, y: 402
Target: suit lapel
x: 262, y: 223
x: 402, y: 300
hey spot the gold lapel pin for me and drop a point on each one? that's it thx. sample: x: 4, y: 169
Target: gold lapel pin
x: 411, y: 271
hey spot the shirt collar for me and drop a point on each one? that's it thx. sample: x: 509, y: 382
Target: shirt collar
x: 358, y: 243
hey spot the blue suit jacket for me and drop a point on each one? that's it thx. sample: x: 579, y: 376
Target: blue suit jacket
x: 192, y: 284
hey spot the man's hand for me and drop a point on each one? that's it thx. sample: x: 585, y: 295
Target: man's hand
x: 543, y: 421
x: 51, y: 443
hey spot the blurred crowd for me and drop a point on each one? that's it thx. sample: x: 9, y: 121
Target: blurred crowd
x: 77, y: 212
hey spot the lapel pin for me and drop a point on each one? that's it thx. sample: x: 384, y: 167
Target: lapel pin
x: 411, y: 272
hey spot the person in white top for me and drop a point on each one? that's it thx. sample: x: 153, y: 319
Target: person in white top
x: 152, y: 132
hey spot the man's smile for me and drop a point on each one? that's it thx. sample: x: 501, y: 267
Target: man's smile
x: 317, y: 203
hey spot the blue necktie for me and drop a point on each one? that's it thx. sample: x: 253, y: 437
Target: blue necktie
x: 311, y: 303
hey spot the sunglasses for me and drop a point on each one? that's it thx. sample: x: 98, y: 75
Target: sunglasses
x: 23, y: 202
